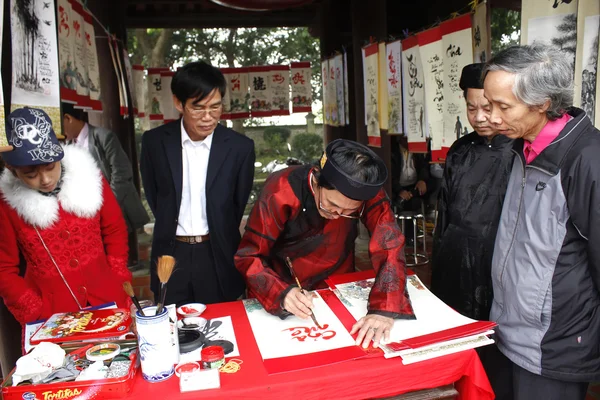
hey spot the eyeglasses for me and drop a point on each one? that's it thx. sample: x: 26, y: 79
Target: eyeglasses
x: 213, y: 111
x: 354, y: 215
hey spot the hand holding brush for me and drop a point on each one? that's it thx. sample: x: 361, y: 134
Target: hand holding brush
x: 289, y: 264
x: 129, y: 290
x: 164, y: 269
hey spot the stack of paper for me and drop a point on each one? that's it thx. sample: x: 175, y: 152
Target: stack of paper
x: 437, y: 330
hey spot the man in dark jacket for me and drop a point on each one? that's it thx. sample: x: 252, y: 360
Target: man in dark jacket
x: 410, y: 176
x: 470, y: 201
x: 546, y: 263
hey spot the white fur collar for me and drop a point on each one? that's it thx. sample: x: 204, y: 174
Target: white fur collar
x: 80, y: 194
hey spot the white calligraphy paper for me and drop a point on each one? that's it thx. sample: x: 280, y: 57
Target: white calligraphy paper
x: 237, y: 99
x: 279, y: 85
x: 93, y: 68
x: 482, y: 43
x: 66, y: 53
x: 35, y: 72
x: 382, y: 92
x: 260, y: 94
x: 294, y: 336
x: 325, y: 85
x: 431, y: 50
x: 394, y: 87
x: 155, y: 96
x: 586, y: 61
x: 457, y: 44
x: 170, y: 113
x: 140, y: 90
x: 301, y: 87
x: 371, y: 73
x: 334, y: 115
x: 81, y: 71
x: 338, y: 66
x: 413, y: 99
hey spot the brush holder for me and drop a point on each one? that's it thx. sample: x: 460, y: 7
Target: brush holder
x: 155, y: 344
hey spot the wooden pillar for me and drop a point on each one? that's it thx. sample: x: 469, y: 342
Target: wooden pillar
x: 369, y: 19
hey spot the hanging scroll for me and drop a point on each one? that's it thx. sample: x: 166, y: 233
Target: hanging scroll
x: 301, y: 88
x: 346, y: 89
x: 458, y: 52
x: 35, y: 72
x: 91, y: 62
x: 332, y: 94
x: 170, y: 113
x: 371, y: 73
x: 394, y: 86
x: 586, y: 62
x: 81, y: 71
x: 129, y: 79
x: 338, y: 67
x: 260, y: 95
x: 139, y: 90
x: 324, y: 86
x: 413, y: 99
x: 155, y: 97
x: 482, y: 44
x: 382, y: 93
x: 66, y: 53
x: 279, y: 86
x: 237, y: 98
x: 431, y: 50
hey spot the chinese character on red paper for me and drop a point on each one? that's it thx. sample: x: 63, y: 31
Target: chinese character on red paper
x: 64, y: 21
x: 298, y: 79
x: 392, y: 66
x: 235, y: 84
x: 301, y: 333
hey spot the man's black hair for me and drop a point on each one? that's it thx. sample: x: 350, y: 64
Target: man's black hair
x: 68, y: 108
x: 197, y: 80
x: 355, y: 162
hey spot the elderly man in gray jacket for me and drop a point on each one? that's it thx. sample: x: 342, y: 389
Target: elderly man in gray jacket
x: 106, y: 149
x: 546, y: 262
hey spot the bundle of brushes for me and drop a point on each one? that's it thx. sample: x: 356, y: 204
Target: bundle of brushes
x: 164, y: 269
x: 129, y: 290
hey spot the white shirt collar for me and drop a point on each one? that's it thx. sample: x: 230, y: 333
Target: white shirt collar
x: 186, y: 138
x: 83, y: 134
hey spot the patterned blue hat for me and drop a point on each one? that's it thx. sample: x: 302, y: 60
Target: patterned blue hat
x: 29, y: 131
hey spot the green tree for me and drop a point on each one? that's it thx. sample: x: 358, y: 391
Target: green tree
x: 505, y: 28
x: 275, y: 138
x: 307, y: 146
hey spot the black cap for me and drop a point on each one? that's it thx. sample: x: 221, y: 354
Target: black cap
x: 471, y: 77
x: 343, y: 182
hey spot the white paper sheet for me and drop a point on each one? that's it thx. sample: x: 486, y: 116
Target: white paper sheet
x: 294, y: 336
x: 442, y: 349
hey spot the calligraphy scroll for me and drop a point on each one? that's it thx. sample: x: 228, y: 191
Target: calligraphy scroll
x: 413, y: 96
x: 334, y: 116
x: 324, y: 86
x: 91, y: 62
x: 35, y: 73
x: 279, y: 86
x: 382, y: 93
x: 260, y: 95
x: 236, y: 102
x: 346, y: 89
x: 155, y: 97
x: 170, y: 113
x: 586, y: 61
x: 3, y: 139
x: 394, y: 86
x: 138, y: 83
x: 458, y: 47
x: 431, y: 50
x: 66, y: 53
x: 281, y: 342
x: 371, y: 73
x: 338, y: 67
x: 553, y: 22
x: 129, y: 78
x: 81, y: 70
x: 482, y: 43
x: 301, y: 88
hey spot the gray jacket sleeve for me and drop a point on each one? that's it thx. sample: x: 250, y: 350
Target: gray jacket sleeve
x: 120, y: 174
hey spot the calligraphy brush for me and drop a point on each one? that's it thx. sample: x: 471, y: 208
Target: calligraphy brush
x: 164, y: 270
x: 129, y: 290
x: 289, y: 264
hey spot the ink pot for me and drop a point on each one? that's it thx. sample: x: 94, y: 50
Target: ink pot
x: 212, y: 357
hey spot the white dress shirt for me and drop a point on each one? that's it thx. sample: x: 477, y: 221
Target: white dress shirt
x: 83, y: 139
x: 192, y: 212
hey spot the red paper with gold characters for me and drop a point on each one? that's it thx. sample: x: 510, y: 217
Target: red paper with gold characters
x: 83, y: 325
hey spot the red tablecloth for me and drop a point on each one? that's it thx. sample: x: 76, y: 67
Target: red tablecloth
x: 359, y: 379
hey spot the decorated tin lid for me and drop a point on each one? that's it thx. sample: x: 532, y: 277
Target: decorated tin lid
x: 212, y: 353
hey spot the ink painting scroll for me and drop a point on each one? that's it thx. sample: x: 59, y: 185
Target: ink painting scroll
x: 371, y: 78
x: 431, y: 50
x: 35, y: 72
x: 413, y: 96
x: 295, y: 343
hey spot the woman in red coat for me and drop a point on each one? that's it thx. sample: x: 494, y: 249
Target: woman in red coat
x: 60, y: 216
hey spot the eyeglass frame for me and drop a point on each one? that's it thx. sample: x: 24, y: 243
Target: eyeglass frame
x: 349, y: 216
x: 201, y: 112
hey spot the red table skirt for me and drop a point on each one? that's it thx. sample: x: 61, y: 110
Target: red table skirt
x: 370, y: 377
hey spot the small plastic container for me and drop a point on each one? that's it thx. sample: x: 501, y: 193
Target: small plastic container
x: 213, y: 357
x: 186, y: 368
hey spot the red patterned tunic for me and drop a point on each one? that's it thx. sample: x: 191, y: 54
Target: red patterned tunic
x: 285, y: 222
x: 85, y: 232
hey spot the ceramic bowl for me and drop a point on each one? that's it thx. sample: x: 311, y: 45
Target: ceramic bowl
x: 191, y: 323
x: 191, y: 310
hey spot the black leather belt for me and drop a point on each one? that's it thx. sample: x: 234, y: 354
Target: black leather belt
x: 193, y: 239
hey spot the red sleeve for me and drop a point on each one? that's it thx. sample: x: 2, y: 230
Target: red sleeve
x: 24, y: 303
x: 389, y: 296
x: 114, y: 234
x: 265, y: 223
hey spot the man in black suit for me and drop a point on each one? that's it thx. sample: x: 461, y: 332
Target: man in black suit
x: 197, y: 177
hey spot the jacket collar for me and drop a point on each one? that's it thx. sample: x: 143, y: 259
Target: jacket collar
x: 80, y: 194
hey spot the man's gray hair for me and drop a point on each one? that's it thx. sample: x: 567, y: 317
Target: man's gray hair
x: 542, y: 73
